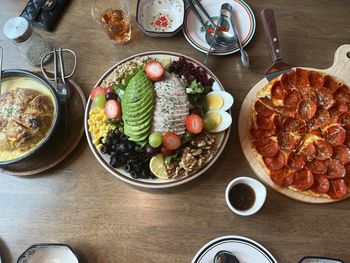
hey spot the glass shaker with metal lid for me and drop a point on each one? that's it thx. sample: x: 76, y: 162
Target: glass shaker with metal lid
x: 28, y: 42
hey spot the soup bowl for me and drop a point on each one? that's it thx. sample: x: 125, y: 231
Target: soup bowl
x: 36, y: 82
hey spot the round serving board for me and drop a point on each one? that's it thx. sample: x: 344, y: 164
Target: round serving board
x: 59, y: 146
x: 340, y: 70
x: 221, y: 138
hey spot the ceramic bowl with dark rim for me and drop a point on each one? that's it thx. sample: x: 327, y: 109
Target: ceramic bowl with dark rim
x: 221, y: 137
x: 160, y: 18
x: 48, y: 252
x: 48, y: 90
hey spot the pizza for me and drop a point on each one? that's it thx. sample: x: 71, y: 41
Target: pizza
x: 301, y: 132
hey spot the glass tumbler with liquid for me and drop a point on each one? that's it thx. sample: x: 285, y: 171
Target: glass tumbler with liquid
x: 113, y: 16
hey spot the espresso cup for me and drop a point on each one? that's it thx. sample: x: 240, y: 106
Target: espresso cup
x: 235, y: 196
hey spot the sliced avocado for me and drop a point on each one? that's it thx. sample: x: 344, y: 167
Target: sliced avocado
x: 134, y: 125
x: 135, y: 95
x: 138, y: 106
x: 139, y: 114
x: 138, y: 139
x: 137, y: 134
x: 138, y: 85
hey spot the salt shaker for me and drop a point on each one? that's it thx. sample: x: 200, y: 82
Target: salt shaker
x: 29, y: 43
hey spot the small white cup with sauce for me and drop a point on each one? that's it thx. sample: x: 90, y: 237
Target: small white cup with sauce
x: 245, y: 196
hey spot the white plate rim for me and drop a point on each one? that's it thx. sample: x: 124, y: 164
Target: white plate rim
x: 135, y: 182
x: 207, y: 247
x: 223, y: 53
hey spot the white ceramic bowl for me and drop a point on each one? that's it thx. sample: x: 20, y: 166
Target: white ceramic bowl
x: 52, y: 252
x: 260, y: 195
x: 160, y: 18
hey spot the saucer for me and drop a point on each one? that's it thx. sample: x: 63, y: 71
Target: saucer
x: 53, y: 253
x: 245, y: 249
x: 195, y: 33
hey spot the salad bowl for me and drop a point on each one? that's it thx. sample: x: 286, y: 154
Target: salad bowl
x: 220, y: 137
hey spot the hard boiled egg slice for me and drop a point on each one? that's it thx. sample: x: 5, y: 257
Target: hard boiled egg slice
x: 219, y: 100
x: 222, y: 120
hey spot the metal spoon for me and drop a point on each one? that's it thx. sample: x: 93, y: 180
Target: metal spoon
x: 225, y: 257
x: 244, y: 54
x: 0, y: 67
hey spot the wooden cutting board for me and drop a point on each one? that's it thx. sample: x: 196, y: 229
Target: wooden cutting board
x: 340, y: 70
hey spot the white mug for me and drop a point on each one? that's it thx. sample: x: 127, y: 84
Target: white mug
x: 259, y: 190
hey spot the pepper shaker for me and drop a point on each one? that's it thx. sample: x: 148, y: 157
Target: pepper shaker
x: 29, y: 43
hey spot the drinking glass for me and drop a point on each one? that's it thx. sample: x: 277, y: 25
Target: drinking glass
x: 114, y: 18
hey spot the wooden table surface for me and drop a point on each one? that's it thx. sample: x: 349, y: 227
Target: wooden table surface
x: 106, y: 220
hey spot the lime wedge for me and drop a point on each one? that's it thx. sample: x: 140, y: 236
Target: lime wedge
x: 157, y: 166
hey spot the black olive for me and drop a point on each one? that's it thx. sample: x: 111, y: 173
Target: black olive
x: 111, y: 135
x: 137, y: 148
x: 127, y: 168
x: 123, y: 137
x: 133, y: 156
x: 122, y: 159
x: 108, y: 149
x: 122, y: 147
x: 132, y: 161
x: 144, y: 174
x: 117, y: 132
x: 127, y: 154
x: 103, y: 149
x: 113, y: 153
x: 111, y: 96
x: 133, y: 174
x: 113, y: 147
x: 112, y: 161
x: 129, y: 146
x: 116, y: 140
x: 138, y: 166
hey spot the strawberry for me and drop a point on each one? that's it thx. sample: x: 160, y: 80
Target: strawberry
x: 154, y: 70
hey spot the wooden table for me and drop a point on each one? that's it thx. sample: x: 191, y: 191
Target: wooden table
x: 106, y: 220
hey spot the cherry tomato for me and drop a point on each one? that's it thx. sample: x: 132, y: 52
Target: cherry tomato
x: 95, y: 91
x: 171, y: 141
x: 194, y: 124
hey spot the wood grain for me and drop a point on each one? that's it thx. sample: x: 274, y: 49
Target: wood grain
x: 340, y: 70
x: 107, y: 221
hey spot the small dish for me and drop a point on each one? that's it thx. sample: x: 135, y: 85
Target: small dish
x: 160, y: 18
x: 259, y: 195
x: 55, y: 253
x: 320, y: 260
x: 245, y: 249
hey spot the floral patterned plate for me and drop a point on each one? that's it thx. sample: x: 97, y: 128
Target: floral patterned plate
x: 162, y: 18
x: 195, y: 32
